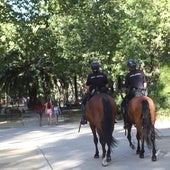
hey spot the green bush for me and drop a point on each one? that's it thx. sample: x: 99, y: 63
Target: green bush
x: 160, y: 91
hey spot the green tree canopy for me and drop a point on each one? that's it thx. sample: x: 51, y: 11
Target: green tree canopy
x: 48, y: 44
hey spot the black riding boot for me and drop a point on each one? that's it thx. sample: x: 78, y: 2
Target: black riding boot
x: 124, y: 114
x: 125, y: 122
x: 125, y: 119
x: 83, y: 118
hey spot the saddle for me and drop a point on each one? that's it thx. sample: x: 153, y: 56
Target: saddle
x: 97, y: 91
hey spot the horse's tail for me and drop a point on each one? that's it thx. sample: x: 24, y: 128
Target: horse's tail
x: 108, y: 123
x: 148, y: 128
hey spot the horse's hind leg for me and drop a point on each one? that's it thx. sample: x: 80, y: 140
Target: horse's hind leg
x: 108, y: 154
x: 154, y: 158
x: 138, y: 143
x: 129, y: 136
x: 103, y: 145
x: 96, y: 146
x: 103, y: 149
x: 104, y: 155
x: 95, y: 139
x: 141, y: 154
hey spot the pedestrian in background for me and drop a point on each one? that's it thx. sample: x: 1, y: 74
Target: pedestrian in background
x: 39, y: 110
x: 49, y: 110
x: 56, y: 112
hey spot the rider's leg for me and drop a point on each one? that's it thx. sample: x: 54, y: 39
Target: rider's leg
x: 126, y: 117
x: 125, y: 110
x: 83, y: 117
x: 128, y: 97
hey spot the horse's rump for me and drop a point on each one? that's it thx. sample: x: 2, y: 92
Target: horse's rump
x: 135, y: 109
x: 94, y: 107
x: 141, y: 112
x: 101, y: 110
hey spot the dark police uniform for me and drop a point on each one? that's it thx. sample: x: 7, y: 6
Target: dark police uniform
x: 97, y: 81
x: 134, y: 81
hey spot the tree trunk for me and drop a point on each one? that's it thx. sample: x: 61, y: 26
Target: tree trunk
x: 75, y: 88
x: 33, y: 97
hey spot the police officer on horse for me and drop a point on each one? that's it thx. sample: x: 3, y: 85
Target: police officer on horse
x: 135, y: 85
x: 97, y: 82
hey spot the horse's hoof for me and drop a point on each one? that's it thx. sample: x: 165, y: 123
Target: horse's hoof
x: 104, y: 165
x: 154, y: 158
x: 96, y: 156
x: 132, y: 146
x: 108, y: 158
x: 141, y: 155
x: 104, y: 162
x: 137, y: 152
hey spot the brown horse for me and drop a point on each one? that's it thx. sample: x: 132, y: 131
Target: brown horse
x: 100, y: 112
x: 141, y: 113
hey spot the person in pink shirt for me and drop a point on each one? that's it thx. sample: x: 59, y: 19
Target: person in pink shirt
x: 49, y: 110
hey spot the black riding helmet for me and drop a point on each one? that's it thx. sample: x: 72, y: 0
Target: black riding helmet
x: 95, y: 66
x: 131, y: 63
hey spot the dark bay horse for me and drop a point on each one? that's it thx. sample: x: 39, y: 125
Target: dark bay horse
x: 101, y: 110
x: 141, y: 113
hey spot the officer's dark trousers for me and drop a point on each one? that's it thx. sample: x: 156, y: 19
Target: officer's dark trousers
x: 124, y: 107
x: 85, y: 99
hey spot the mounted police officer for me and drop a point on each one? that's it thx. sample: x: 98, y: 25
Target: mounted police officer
x: 135, y: 85
x: 97, y: 82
